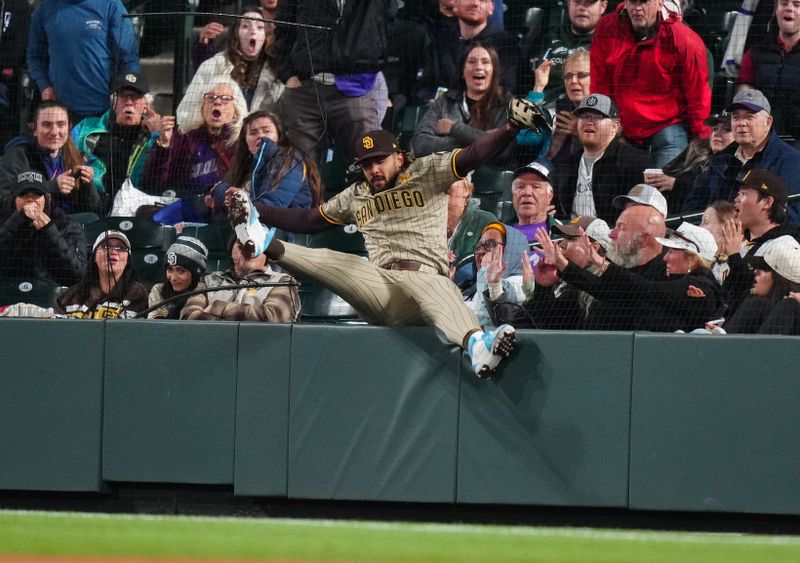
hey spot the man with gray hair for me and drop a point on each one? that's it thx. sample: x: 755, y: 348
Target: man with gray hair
x: 756, y: 146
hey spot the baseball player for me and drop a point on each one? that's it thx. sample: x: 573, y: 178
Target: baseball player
x: 401, y: 209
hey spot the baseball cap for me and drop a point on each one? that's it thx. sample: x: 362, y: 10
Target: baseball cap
x: 599, y: 103
x: 189, y: 253
x: 691, y: 238
x: 642, y: 194
x: 105, y: 235
x: 767, y: 183
x: 29, y: 181
x: 753, y: 100
x: 781, y: 254
x: 540, y: 166
x: 375, y: 143
x: 596, y: 229
x: 131, y: 81
x: 722, y: 117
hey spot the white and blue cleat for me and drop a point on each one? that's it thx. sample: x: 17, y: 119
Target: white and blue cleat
x: 487, y: 349
x: 251, y: 234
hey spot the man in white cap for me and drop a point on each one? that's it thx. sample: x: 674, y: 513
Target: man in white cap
x: 756, y: 146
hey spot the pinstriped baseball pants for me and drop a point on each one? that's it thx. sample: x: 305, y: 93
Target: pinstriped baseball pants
x: 385, y: 297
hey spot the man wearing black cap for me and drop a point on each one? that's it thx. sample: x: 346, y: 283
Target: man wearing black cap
x: 401, y: 209
x: 756, y: 145
x: 116, y: 144
x: 38, y: 239
x: 588, y: 181
x: 761, y: 215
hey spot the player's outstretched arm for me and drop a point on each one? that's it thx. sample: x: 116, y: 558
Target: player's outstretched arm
x: 294, y: 220
x: 484, y: 149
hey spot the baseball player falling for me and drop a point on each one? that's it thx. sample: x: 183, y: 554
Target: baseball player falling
x: 401, y: 209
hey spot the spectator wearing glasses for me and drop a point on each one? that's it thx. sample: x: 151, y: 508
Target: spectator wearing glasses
x: 109, y: 289
x: 588, y: 181
x: 268, y: 166
x: 558, y: 44
x: 656, y: 69
x: 116, y: 144
x: 498, y: 265
x: 191, y: 163
x: 246, y: 60
x: 577, y: 82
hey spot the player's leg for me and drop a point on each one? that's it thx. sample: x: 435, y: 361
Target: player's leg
x: 442, y: 305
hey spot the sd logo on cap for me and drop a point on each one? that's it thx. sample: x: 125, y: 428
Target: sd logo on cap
x: 375, y: 143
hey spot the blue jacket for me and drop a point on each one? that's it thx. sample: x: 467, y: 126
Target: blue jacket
x: 77, y: 46
x: 292, y: 191
x: 719, y: 180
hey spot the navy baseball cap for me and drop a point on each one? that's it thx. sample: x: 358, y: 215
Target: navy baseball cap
x: 540, y: 166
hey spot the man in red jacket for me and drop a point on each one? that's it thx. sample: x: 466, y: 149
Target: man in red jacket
x: 656, y: 69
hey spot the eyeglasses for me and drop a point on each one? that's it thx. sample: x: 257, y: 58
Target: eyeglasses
x: 487, y: 246
x: 225, y: 99
x: 129, y: 95
x: 579, y: 75
x: 108, y: 247
x: 591, y: 117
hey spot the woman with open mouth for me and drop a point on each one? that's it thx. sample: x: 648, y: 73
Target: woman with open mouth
x: 191, y: 163
x: 459, y: 117
x: 246, y: 60
x: 269, y: 167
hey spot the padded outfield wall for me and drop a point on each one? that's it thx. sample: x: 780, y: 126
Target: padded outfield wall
x: 618, y: 420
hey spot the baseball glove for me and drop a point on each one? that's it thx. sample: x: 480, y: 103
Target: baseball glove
x: 524, y: 114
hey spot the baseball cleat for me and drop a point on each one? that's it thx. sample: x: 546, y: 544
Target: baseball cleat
x: 251, y: 234
x: 487, y: 349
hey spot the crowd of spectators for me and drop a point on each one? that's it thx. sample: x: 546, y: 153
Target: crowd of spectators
x: 632, y: 142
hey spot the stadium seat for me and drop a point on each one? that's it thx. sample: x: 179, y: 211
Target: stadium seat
x: 322, y: 305
x: 38, y: 291
x: 492, y: 187
x: 336, y: 239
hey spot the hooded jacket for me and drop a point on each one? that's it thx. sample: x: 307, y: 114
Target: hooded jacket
x: 656, y: 82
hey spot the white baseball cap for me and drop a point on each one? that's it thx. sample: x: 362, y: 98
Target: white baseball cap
x: 643, y: 194
x: 693, y: 239
x: 596, y: 229
x: 782, y: 255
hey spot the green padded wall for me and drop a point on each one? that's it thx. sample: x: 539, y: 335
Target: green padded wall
x: 554, y: 429
x: 373, y: 414
x: 262, y: 409
x: 170, y: 401
x: 714, y: 424
x: 51, y: 397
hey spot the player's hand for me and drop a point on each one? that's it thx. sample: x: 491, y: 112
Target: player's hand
x: 49, y: 93
x: 566, y: 123
x: 210, y: 32
x: 542, y: 75
x: 444, y: 126
x: 66, y: 182
x: 524, y: 114
x: 495, y: 266
x: 229, y: 195
x: 293, y: 82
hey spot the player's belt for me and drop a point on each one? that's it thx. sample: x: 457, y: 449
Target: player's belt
x: 412, y: 265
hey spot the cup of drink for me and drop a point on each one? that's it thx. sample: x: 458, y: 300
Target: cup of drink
x: 651, y: 174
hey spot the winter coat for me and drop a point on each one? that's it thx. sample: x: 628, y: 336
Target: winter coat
x: 656, y: 82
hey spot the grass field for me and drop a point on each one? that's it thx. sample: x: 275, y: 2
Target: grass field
x: 109, y: 536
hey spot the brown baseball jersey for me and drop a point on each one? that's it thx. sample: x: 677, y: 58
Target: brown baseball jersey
x: 406, y: 222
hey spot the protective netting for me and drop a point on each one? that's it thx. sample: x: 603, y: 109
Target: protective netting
x: 139, y: 118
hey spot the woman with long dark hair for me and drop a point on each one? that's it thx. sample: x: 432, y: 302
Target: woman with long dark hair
x: 459, y: 117
x: 110, y: 288
x: 246, y: 59
x: 186, y: 264
x: 268, y: 166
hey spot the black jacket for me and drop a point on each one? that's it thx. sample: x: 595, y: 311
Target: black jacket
x: 27, y: 156
x: 356, y: 41
x: 619, y: 169
x: 57, y: 251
